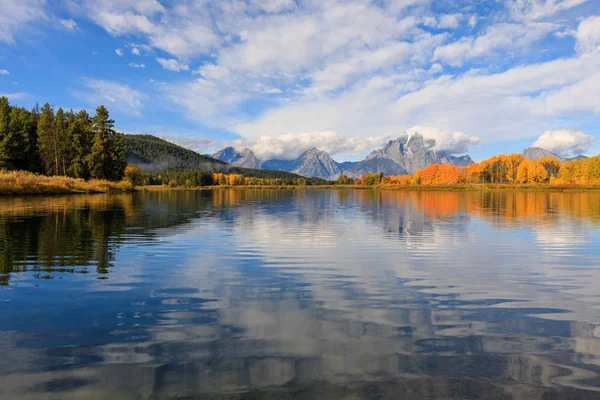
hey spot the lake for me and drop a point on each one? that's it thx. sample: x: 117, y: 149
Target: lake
x: 304, y: 294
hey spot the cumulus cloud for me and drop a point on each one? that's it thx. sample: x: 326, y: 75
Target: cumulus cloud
x: 4, y: 72
x: 135, y: 51
x: 136, y: 65
x: 98, y: 91
x: 565, y: 142
x: 588, y: 34
x: 68, y: 24
x: 119, y: 52
x: 534, y: 96
x: 172, y: 65
x: 291, y: 145
x: 449, y: 142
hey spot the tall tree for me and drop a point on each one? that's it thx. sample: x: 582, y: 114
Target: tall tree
x: 4, y: 126
x: 15, y: 141
x: 47, y: 141
x: 80, y: 137
x: 107, y: 157
x: 60, y: 140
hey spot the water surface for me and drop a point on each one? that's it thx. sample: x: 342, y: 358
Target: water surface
x: 269, y: 294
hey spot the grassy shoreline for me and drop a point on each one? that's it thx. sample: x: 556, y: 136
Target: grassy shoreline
x: 17, y: 183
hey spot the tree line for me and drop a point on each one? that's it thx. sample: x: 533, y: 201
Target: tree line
x: 501, y: 169
x: 209, y: 178
x: 42, y: 140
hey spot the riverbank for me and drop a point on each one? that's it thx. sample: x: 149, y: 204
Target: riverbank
x: 422, y: 188
x: 27, y: 183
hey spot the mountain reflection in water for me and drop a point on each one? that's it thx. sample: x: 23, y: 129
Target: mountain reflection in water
x: 300, y: 294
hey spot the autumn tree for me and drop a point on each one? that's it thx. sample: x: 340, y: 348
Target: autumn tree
x: 343, y: 179
x: 133, y: 174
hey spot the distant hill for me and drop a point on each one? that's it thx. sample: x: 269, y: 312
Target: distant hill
x: 401, y: 156
x: 154, y: 154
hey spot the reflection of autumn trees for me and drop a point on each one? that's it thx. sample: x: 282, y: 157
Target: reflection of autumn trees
x: 505, y: 208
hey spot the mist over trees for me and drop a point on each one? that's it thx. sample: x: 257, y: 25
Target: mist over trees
x: 60, y: 142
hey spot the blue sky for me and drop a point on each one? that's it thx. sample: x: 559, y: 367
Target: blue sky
x: 281, y: 76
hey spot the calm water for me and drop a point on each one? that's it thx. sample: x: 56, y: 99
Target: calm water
x: 311, y: 295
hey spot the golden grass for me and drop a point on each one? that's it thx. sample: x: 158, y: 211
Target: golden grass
x: 23, y: 182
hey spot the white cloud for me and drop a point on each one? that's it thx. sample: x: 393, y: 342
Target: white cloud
x: 14, y: 96
x: 17, y: 15
x: 497, y: 37
x: 473, y: 19
x: 565, y: 142
x: 172, y: 64
x: 537, y: 9
x: 183, y: 29
x: 112, y: 93
x: 4, y: 72
x: 588, y: 34
x: 68, y: 24
x: 135, y: 51
x: 534, y: 96
x: 291, y: 145
x: 136, y: 65
x: 194, y: 143
x: 450, y: 142
x: 449, y: 21
x: 365, y: 68
x: 119, y: 52
x: 274, y: 6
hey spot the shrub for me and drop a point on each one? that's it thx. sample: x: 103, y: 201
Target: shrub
x: 134, y: 175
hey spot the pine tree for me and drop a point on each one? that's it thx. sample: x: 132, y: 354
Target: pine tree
x: 32, y: 154
x: 14, y: 143
x: 80, y: 137
x: 107, y: 156
x: 47, y: 141
x: 4, y: 127
x: 60, y: 140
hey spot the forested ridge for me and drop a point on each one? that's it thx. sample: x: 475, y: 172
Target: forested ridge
x: 155, y: 154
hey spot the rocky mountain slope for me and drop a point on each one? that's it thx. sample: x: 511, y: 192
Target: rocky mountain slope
x: 245, y: 158
x: 535, y: 153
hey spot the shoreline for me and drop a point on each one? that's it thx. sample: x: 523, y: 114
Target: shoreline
x: 26, y: 184
x: 408, y: 188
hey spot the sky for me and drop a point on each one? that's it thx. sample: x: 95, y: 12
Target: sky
x: 345, y: 76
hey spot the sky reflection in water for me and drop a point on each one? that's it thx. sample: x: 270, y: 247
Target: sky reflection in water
x: 304, y: 294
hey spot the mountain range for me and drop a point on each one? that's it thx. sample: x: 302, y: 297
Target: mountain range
x: 535, y: 153
x: 404, y: 155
